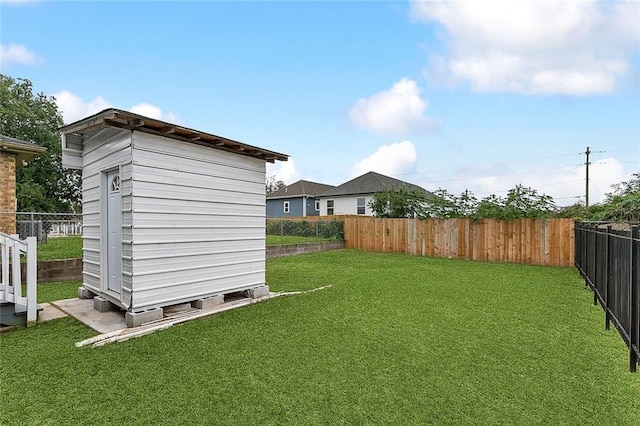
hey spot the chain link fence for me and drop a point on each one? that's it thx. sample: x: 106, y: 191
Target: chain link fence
x: 45, y: 225
x: 299, y: 231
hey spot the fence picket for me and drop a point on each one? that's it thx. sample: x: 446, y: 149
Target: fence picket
x: 608, y: 260
x: 532, y: 241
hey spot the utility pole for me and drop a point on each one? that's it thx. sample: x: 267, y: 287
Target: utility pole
x: 586, y: 203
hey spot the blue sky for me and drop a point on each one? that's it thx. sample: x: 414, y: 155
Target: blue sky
x: 449, y: 94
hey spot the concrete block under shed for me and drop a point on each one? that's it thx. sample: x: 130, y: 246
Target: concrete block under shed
x: 84, y: 293
x: 101, y: 304
x: 257, y: 292
x: 208, y: 302
x: 135, y: 319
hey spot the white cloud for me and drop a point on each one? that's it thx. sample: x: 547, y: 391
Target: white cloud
x: 570, y: 47
x: 397, y: 111
x: 73, y: 108
x: 565, y: 184
x: 17, y: 54
x: 19, y: 2
x: 152, y: 111
x: 285, y: 171
x: 394, y: 160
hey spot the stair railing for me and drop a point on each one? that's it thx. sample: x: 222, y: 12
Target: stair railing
x: 11, y: 251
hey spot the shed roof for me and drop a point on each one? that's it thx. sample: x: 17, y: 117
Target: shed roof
x: 370, y: 183
x: 113, y: 117
x: 23, y: 150
x: 302, y: 188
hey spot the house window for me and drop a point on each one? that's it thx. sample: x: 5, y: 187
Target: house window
x: 330, y: 207
x: 115, y: 183
x: 286, y: 207
x: 317, y: 205
x: 360, y: 204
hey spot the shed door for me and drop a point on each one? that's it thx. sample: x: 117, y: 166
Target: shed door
x: 114, y: 231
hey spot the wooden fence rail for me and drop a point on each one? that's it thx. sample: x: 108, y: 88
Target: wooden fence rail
x: 531, y: 241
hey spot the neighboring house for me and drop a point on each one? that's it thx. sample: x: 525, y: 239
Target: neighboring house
x: 299, y: 199
x: 353, y: 197
x: 14, y: 153
x: 171, y: 215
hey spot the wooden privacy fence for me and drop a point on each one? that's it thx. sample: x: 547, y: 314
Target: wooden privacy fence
x: 609, y: 261
x: 531, y: 241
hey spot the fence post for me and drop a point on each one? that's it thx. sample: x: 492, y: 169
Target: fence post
x: 634, y: 345
x: 593, y: 272
x: 605, y: 296
x: 32, y: 308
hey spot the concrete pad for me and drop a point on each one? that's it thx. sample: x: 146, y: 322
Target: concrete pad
x: 82, y: 310
x: 49, y: 312
x: 168, y: 321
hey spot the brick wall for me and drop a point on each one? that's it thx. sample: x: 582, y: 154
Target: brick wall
x: 7, y: 193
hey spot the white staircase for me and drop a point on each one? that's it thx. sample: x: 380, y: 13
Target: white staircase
x: 16, y: 309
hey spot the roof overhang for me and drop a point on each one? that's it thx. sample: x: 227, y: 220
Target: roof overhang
x: 282, y: 197
x: 127, y: 120
x: 23, y: 151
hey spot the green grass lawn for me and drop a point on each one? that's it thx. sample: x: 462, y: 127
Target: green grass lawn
x: 48, y: 292
x: 395, y: 340
x: 60, y: 248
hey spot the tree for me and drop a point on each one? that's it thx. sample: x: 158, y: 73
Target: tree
x: 467, y: 204
x: 274, y: 185
x: 524, y: 201
x: 491, y: 207
x: 620, y: 205
x: 446, y: 205
x: 575, y: 211
x: 520, y: 202
x: 42, y: 185
x: 399, y: 202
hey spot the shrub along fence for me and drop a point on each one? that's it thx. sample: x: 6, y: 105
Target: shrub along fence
x: 608, y: 258
x: 330, y: 229
x: 530, y: 241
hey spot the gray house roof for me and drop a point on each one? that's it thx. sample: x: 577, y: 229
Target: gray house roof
x: 370, y: 183
x: 302, y: 188
x: 23, y: 150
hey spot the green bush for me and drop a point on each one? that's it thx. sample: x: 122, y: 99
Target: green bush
x: 333, y: 229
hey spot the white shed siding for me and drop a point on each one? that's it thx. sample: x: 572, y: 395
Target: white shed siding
x: 198, y: 221
x: 346, y: 205
x: 104, y: 150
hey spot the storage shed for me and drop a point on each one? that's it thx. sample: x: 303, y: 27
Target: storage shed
x: 171, y: 215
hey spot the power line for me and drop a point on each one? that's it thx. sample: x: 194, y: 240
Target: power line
x: 597, y: 189
x: 524, y: 160
x: 587, y: 164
